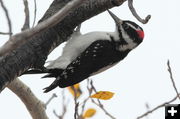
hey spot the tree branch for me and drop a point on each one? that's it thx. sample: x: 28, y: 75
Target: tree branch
x: 50, y: 99
x: 33, y: 53
x: 76, y: 103
x: 35, y: 107
x: 27, y: 20
x: 7, y: 17
x: 168, y: 102
x: 18, y: 39
x: 156, y: 108
x: 5, y: 33
x: 35, y: 11
x: 133, y: 11
x: 64, y: 107
x: 172, y: 79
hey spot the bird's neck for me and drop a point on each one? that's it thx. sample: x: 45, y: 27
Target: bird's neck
x: 123, y: 40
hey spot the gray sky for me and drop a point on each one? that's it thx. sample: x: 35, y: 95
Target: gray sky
x: 140, y: 78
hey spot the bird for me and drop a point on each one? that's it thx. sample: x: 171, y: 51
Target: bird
x: 85, y: 55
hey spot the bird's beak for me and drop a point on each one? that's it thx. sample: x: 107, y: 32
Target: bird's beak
x: 116, y: 19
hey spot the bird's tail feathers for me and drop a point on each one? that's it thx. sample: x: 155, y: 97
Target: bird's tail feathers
x: 53, y: 73
x: 52, y: 86
x: 49, y: 75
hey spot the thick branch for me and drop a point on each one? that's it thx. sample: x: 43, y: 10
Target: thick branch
x: 35, y: 107
x: 34, y: 52
x: 18, y: 39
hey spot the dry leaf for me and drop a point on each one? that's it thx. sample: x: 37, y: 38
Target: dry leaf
x: 103, y: 95
x: 76, y: 88
x: 89, y: 113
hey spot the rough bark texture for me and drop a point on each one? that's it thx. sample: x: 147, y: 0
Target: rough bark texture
x: 33, y: 53
x: 35, y: 107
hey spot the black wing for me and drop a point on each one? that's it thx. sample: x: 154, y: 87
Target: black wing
x: 98, y: 55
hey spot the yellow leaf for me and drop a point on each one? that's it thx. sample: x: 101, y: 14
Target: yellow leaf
x: 103, y: 95
x: 89, y: 113
x: 76, y: 88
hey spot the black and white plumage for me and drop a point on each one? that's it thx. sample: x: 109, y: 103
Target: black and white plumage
x: 91, y: 53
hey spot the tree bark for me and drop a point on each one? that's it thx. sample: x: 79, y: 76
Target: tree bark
x: 33, y: 53
x: 35, y: 107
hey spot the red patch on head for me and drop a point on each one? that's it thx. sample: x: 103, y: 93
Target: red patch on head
x: 140, y: 33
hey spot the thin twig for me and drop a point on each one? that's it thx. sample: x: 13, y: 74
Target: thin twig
x: 64, y: 107
x: 35, y: 12
x: 76, y: 114
x: 172, y: 79
x: 85, y: 101
x: 133, y: 11
x: 50, y: 99
x: 54, y: 112
x: 168, y: 102
x: 156, y: 108
x: 5, y: 33
x: 147, y: 108
x: 26, y: 11
x: 83, y: 105
x: 99, y: 104
x: 7, y: 17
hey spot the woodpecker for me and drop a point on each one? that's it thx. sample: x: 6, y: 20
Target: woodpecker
x: 89, y: 54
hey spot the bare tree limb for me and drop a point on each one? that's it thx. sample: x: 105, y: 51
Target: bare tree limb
x: 7, y: 17
x: 27, y: 19
x: 133, y: 11
x: 35, y: 107
x: 19, y: 38
x: 172, y: 79
x: 35, y: 11
x: 156, y: 108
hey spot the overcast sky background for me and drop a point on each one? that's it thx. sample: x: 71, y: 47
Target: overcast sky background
x: 141, y: 78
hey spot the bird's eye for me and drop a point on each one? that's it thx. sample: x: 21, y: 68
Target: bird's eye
x: 125, y: 26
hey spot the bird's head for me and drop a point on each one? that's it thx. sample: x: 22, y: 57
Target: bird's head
x: 131, y: 34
